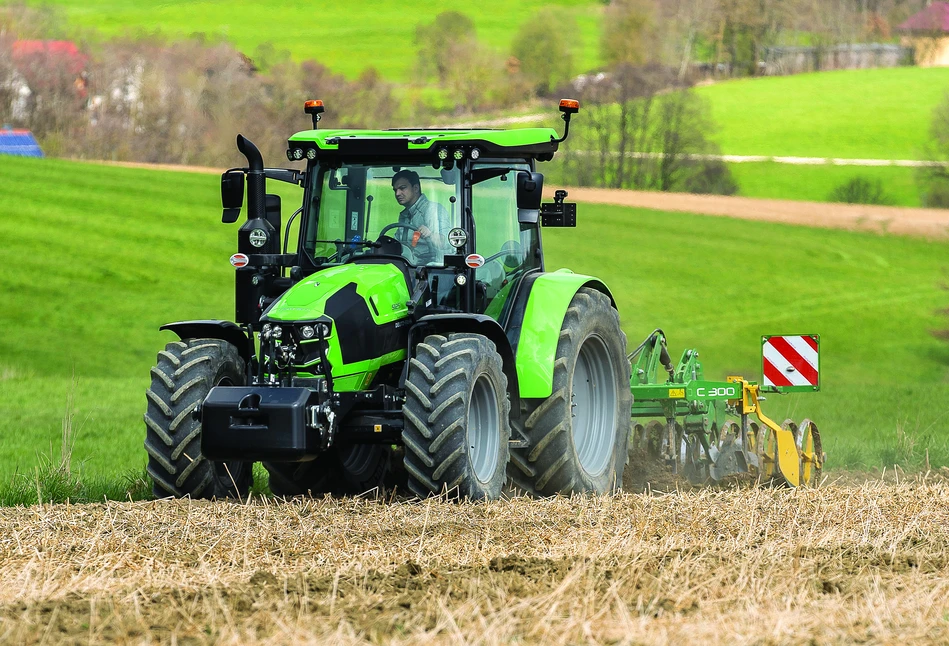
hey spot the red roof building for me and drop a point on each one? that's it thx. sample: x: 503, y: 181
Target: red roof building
x: 60, y: 50
x: 934, y: 19
x: 927, y: 32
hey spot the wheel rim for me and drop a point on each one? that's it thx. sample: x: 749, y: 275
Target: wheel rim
x: 594, y: 406
x: 484, y: 423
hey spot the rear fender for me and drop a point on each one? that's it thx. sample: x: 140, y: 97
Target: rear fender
x: 547, y: 305
x: 486, y: 326
x: 211, y: 329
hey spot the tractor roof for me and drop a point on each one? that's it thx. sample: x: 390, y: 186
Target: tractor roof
x: 533, y: 142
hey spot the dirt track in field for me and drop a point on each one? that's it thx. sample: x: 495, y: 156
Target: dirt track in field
x: 929, y: 223
x: 840, y: 564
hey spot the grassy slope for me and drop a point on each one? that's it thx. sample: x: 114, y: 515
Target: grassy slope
x: 863, y: 114
x: 816, y: 183
x: 345, y: 36
x: 102, y: 256
x: 882, y: 114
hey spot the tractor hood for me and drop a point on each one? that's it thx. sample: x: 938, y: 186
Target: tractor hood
x: 365, y: 302
x: 378, y: 290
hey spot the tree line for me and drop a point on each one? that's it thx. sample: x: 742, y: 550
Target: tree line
x: 154, y: 100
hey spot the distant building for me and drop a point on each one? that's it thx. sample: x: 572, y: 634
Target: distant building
x: 927, y: 32
x: 18, y: 142
x: 795, y: 60
x: 36, y: 63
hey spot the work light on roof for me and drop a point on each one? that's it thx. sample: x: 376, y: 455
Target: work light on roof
x: 314, y: 108
x: 311, y: 153
x: 475, y: 153
x: 298, y: 153
x: 443, y: 153
x: 458, y: 154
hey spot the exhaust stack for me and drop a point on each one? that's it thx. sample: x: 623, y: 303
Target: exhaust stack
x: 256, y: 180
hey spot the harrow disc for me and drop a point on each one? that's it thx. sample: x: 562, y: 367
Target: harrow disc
x: 811, y: 453
x: 729, y: 456
x: 766, y: 447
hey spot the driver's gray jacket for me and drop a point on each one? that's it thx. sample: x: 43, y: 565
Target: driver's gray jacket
x: 434, y: 216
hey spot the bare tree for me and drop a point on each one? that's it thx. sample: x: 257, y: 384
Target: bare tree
x: 643, y: 130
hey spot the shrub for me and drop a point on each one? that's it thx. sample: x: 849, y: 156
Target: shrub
x: 860, y: 190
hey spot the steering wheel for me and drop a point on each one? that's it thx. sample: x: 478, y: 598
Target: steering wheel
x: 509, y: 248
x: 408, y: 252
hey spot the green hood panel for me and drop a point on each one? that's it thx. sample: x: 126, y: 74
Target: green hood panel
x: 367, y: 306
x: 382, y: 286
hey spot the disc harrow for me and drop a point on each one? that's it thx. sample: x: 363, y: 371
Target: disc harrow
x: 706, y: 431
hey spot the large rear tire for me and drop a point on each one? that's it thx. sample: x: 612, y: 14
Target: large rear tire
x: 578, y: 436
x: 344, y: 470
x: 457, y: 418
x: 186, y: 372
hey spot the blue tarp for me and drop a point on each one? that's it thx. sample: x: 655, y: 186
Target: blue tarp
x: 19, y: 142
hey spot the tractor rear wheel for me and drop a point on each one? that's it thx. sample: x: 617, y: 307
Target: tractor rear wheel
x: 186, y: 372
x: 344, y: 470
x: 578, y: 436
x: 457, y: 418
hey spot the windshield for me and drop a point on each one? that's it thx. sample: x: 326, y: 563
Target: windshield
x: 409, y: 210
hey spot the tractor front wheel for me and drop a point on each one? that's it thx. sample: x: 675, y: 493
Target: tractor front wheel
x: 457, y: 418
x: 578, y: 436
x: 186, y: 372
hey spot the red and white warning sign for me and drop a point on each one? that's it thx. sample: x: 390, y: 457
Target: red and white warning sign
x: 790, y: 360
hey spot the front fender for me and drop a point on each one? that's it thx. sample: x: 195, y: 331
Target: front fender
x: 212, y: 329
x: 547, y: 305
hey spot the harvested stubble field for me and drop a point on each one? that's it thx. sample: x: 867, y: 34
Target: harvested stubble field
x: 745, y: 565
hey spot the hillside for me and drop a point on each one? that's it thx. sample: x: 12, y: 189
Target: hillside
x: 331, y: 33
x: 866, y: 114
x: 103, y: 256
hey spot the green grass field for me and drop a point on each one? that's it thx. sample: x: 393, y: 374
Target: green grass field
x: 100, y: 257
x: 816, y: 183
x: 853, y: 114
x: 345, y: 36
x: 866, y: 114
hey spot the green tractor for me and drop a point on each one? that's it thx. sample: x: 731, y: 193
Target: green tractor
x: 414, y: 334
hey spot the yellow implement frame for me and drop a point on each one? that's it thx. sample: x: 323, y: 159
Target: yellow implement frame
x: 786, y: 458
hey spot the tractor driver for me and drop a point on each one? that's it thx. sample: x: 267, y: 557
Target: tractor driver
x: 428, y: 220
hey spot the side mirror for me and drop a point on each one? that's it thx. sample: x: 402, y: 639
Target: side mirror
x: 232, y: 195
x: 530, y: 188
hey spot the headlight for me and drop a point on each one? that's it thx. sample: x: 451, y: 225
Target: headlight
x: 277, y: 331
x: 258, y: 237
x: 265, y: 331
x: 307, y: 331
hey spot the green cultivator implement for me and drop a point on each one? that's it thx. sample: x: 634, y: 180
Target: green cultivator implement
x: 409, y: 336
x: 713, y: 429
